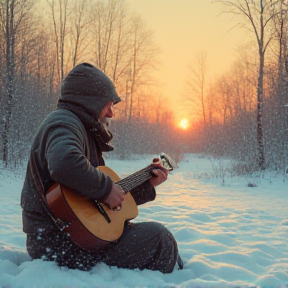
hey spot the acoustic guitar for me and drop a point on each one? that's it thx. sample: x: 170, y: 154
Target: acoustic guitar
x: 91, y: 224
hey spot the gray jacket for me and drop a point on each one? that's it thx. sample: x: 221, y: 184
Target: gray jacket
x: 63, y: 152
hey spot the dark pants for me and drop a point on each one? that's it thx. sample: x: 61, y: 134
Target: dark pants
x: 146, y: 245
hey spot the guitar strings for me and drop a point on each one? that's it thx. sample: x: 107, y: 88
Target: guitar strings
x: 138, y: 178
x: 135, y: 179
x: 137, y: 174
x: 130, y: 183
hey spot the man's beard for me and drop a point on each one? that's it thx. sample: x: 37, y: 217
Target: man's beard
x: 106, y: 121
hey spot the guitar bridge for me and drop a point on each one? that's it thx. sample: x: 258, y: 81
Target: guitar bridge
x: 102, y: 211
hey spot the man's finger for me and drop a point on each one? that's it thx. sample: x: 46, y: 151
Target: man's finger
x: 154, y: 173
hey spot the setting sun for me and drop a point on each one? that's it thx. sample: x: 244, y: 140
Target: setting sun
x: 184, y: 124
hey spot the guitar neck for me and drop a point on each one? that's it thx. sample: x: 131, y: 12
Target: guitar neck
x: 135, y: 179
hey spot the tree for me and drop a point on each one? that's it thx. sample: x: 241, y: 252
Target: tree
x: 105, y: 31
x: 124, y: 49
x: 142, y: 58
x: 258, y: 14
x: 79, y: 22
x: 281, y: 29
x: 12, y: 15
x: 197, y: 84
x: 59, y: 18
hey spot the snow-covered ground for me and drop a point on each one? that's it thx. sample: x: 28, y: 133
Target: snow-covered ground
x: 229, y: 235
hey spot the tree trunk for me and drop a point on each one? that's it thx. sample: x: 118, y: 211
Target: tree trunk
x: 261, y: 158
x: 10, y: 66
x: 260, y: 140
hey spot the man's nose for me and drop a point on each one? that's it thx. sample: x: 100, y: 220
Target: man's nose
x: 109, y: 113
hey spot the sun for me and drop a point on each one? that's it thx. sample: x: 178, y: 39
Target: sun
x: 184, y: 124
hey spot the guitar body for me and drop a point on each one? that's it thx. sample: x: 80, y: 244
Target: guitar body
x: 86, y: 225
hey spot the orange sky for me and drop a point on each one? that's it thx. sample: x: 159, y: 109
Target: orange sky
x: 183, y: 28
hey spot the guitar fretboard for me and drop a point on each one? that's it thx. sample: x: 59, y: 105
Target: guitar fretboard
x: 135, y: 179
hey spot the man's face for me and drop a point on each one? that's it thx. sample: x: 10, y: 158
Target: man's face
x: 106, y: 112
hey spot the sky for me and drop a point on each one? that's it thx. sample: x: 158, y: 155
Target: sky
x: 184, y: 28
x: 231, y: 231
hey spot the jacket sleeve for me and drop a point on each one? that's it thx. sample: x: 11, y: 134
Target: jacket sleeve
x: 68, y: 164
x: 143, y: 193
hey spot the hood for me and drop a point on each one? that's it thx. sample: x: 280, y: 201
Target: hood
x: 89, y: 87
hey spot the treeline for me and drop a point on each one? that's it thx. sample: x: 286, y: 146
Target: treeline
x: 243, y: 114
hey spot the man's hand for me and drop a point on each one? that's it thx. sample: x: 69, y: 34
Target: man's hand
x: 160, y: 173
x: 115, y: 197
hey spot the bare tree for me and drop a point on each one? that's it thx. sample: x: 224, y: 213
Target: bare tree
x: 124, y: 49
x: 12, y: 14
x: 281, y: 28
x: 258, y: 14
x: 79, y: 22
x: 110, y: 43
x: 244, y: 81
x: 196, y: 84
x: 59, y: 18
x: 224, y: 99
x: 142, y: 61
x: 105, y: 15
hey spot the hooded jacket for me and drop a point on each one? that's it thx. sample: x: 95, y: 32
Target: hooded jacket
x: 65, y: 151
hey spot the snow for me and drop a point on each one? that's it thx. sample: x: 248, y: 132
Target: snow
x: 229, y: 234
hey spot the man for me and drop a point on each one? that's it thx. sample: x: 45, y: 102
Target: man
x: 67, y: 150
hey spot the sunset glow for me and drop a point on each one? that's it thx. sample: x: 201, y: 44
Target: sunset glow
x: 184, y: 124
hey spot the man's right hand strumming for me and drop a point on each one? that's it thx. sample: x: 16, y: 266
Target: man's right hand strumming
x: 115, y: 198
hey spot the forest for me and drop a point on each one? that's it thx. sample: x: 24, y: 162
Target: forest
x: 243, y: 114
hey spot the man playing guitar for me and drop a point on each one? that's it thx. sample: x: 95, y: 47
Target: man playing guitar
x: 70, y: 203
